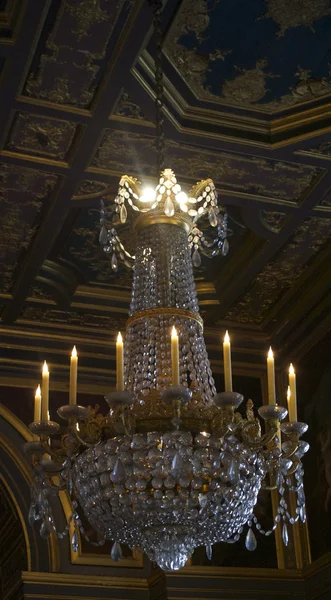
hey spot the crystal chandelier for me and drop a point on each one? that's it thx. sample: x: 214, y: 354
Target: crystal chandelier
x: 173, y: 465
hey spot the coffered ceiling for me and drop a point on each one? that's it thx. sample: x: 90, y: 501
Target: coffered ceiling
x: 248, y: 103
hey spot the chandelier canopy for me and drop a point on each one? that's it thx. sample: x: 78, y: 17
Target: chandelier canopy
x: 173, y: 465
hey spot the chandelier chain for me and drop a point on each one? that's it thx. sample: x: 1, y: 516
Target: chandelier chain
x: 156, y: 6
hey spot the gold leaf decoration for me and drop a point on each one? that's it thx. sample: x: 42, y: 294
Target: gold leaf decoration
x: 279, y: 275
x: 296, y: 13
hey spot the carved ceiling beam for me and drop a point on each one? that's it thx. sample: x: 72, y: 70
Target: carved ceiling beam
x: 121, y: 62
x: 34, y: 17
x: 235, y: 287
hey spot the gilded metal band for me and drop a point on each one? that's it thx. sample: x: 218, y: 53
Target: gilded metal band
x: 171, y: 312
x: 153, y: 217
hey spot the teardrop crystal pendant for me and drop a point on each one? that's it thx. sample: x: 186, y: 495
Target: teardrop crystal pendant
x: 233, y: 471
x: 209, y: 551
x: 225, y: 247
x: 116, y: 552
x: 285, y: 534
x: 45, y: 529
x: 118, y: 474
x: 250, y: 541
x: 196, y: 258
x: 103, y: 235
x: 177, y: 465
x: 123, y: 213
x: 70, y: 484
x: 212, y: 218
x: 32, y: 513
x: 169, y: 208
x: 114, y: 263
x: 302, y: 513
x: 74, y: 541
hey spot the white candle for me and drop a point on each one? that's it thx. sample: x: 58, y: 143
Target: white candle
x: 73, y: 376
x: 293, y: 394
x: 175, y: 357
x: 227, y: 363
x: 271, y: 378
x: 37, y: 405
x: 119, y: 363
x: 44, y: 392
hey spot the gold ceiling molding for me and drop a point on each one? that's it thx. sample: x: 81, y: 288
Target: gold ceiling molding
x: 250, y: 85
x: 128, y: 111
x: 41, y: 136
x: 272, y: 219
x: 123, y: 150
x: 71, y: 59
x: 276, y: 133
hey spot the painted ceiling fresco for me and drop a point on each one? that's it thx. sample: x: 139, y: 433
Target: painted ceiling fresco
x: 281, y: 54
x: 77, y: 111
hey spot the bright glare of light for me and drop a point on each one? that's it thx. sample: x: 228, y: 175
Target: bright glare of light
x: 291, y: 369
x: 227, y: 337
x: 148, y: 195
x: 174, y: 334
x: 119, y: 338
x: 45, y: 367
x: 270, y: 353
x: 181, y: 198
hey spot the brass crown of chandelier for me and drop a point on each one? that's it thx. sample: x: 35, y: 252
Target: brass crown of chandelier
x: 173, y: 465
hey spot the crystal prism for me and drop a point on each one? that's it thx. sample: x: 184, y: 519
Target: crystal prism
x: 118, y: 474
x: 123, y: 213
x: 32, y: 513
x: 302, y: 513
x: 114, y: 263
x: 116, y: 552
x: 233, y: 471
x: 196, y: 258
x: 250, y: 541
x: 74, y: 541
x: 212, y: 218
x: 103, y: 235
x: 169, y: 208
x: 45, y: 529
x: 285, y: 534
x: 209, y: 551
x: 177, y: 465
x: 225, y: 247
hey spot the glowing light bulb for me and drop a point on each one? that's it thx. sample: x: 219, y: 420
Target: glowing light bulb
x: 181, y: 198
x: 148, y: 195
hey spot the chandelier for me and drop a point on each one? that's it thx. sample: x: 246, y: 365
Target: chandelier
x: 173, y: 465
